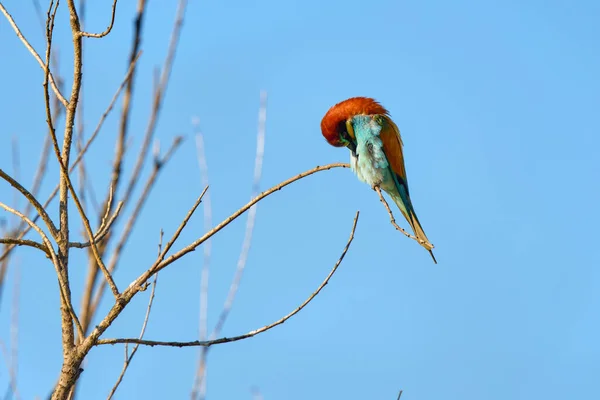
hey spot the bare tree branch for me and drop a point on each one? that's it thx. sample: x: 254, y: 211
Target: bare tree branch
x: 29, y: 222
x: 90, y: 308
x: 12, y: 23
x: 58, y: 242
x: 158, y: 98
x: 102, y: 231
x: 55, y: 261
x: 22, y: 228
x: 110, y: 26
x: 398, y: 228
x: 24, y: 242
x: 127, y: 96
x: 61, y: 259
x: 66, y: 185
x: 116, y: 256
x: 79, y: 156
x: 129, y: 357
x: 33, y: 201
x: 105, y: 224
x: 125, y: 81
x: 80, y: 128
x: 251, y: 333
x: 86, y: 223
x: 70, y: 368
x: 87, y: 308
x: 42, y: 164
x: 392, y: 219
x: 191, y: 247
x: 140, y: 283
x: 182, y: 225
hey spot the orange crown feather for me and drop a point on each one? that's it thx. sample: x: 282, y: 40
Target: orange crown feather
x: 335, y: 119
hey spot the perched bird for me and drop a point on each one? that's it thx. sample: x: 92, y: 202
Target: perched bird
x: 363, y: 126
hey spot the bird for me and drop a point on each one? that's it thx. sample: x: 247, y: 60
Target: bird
x: 366, y: 128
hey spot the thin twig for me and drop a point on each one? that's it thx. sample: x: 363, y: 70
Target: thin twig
x: 398, y: 228
x: 102, y: 231
x: 90, y: 308
x: 33, y: 201
x: 82, y: 175
x: 64, y: 384
x: 141, y: 282
x: 183, y: 224
x: 42, y: 164
x: 127, y: 97
x: 125, y: 81
x: 83, y: 151
x: 191, y: 247
x: 66, y: 185
x: 129, y: 357
x: 125, y: 235
x: 24, y: 242
x: 15, y: 27
x: 158, y: 265
x: 61, y: 259
x: 22, y: 228
x: 42, y: 21
x: 158, y: 99
x: 27, y: 221
x: 399, y: 395
x: 110, y: 26
x: 392, y: 219
x: 62, y: 283
x: 88, y: 143
x: 92, y: 240
x: 251, y: 333
x: 105, y: 222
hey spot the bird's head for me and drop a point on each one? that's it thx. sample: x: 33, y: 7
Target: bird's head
x: 336, y: 125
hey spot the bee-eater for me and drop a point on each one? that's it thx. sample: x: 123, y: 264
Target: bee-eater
x: 364, y: 126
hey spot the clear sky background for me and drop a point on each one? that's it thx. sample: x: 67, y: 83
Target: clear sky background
x: 498, y: 105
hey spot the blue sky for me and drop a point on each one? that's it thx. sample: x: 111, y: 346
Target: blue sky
x: 497, y: 103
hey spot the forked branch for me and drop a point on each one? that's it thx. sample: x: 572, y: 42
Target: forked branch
x: 255, y: 332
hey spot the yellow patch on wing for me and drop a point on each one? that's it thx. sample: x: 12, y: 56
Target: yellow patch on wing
x: 392, y: 146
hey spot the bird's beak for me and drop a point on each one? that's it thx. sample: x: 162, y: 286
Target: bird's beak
x: 352, y: 146
x: 350, y: 138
